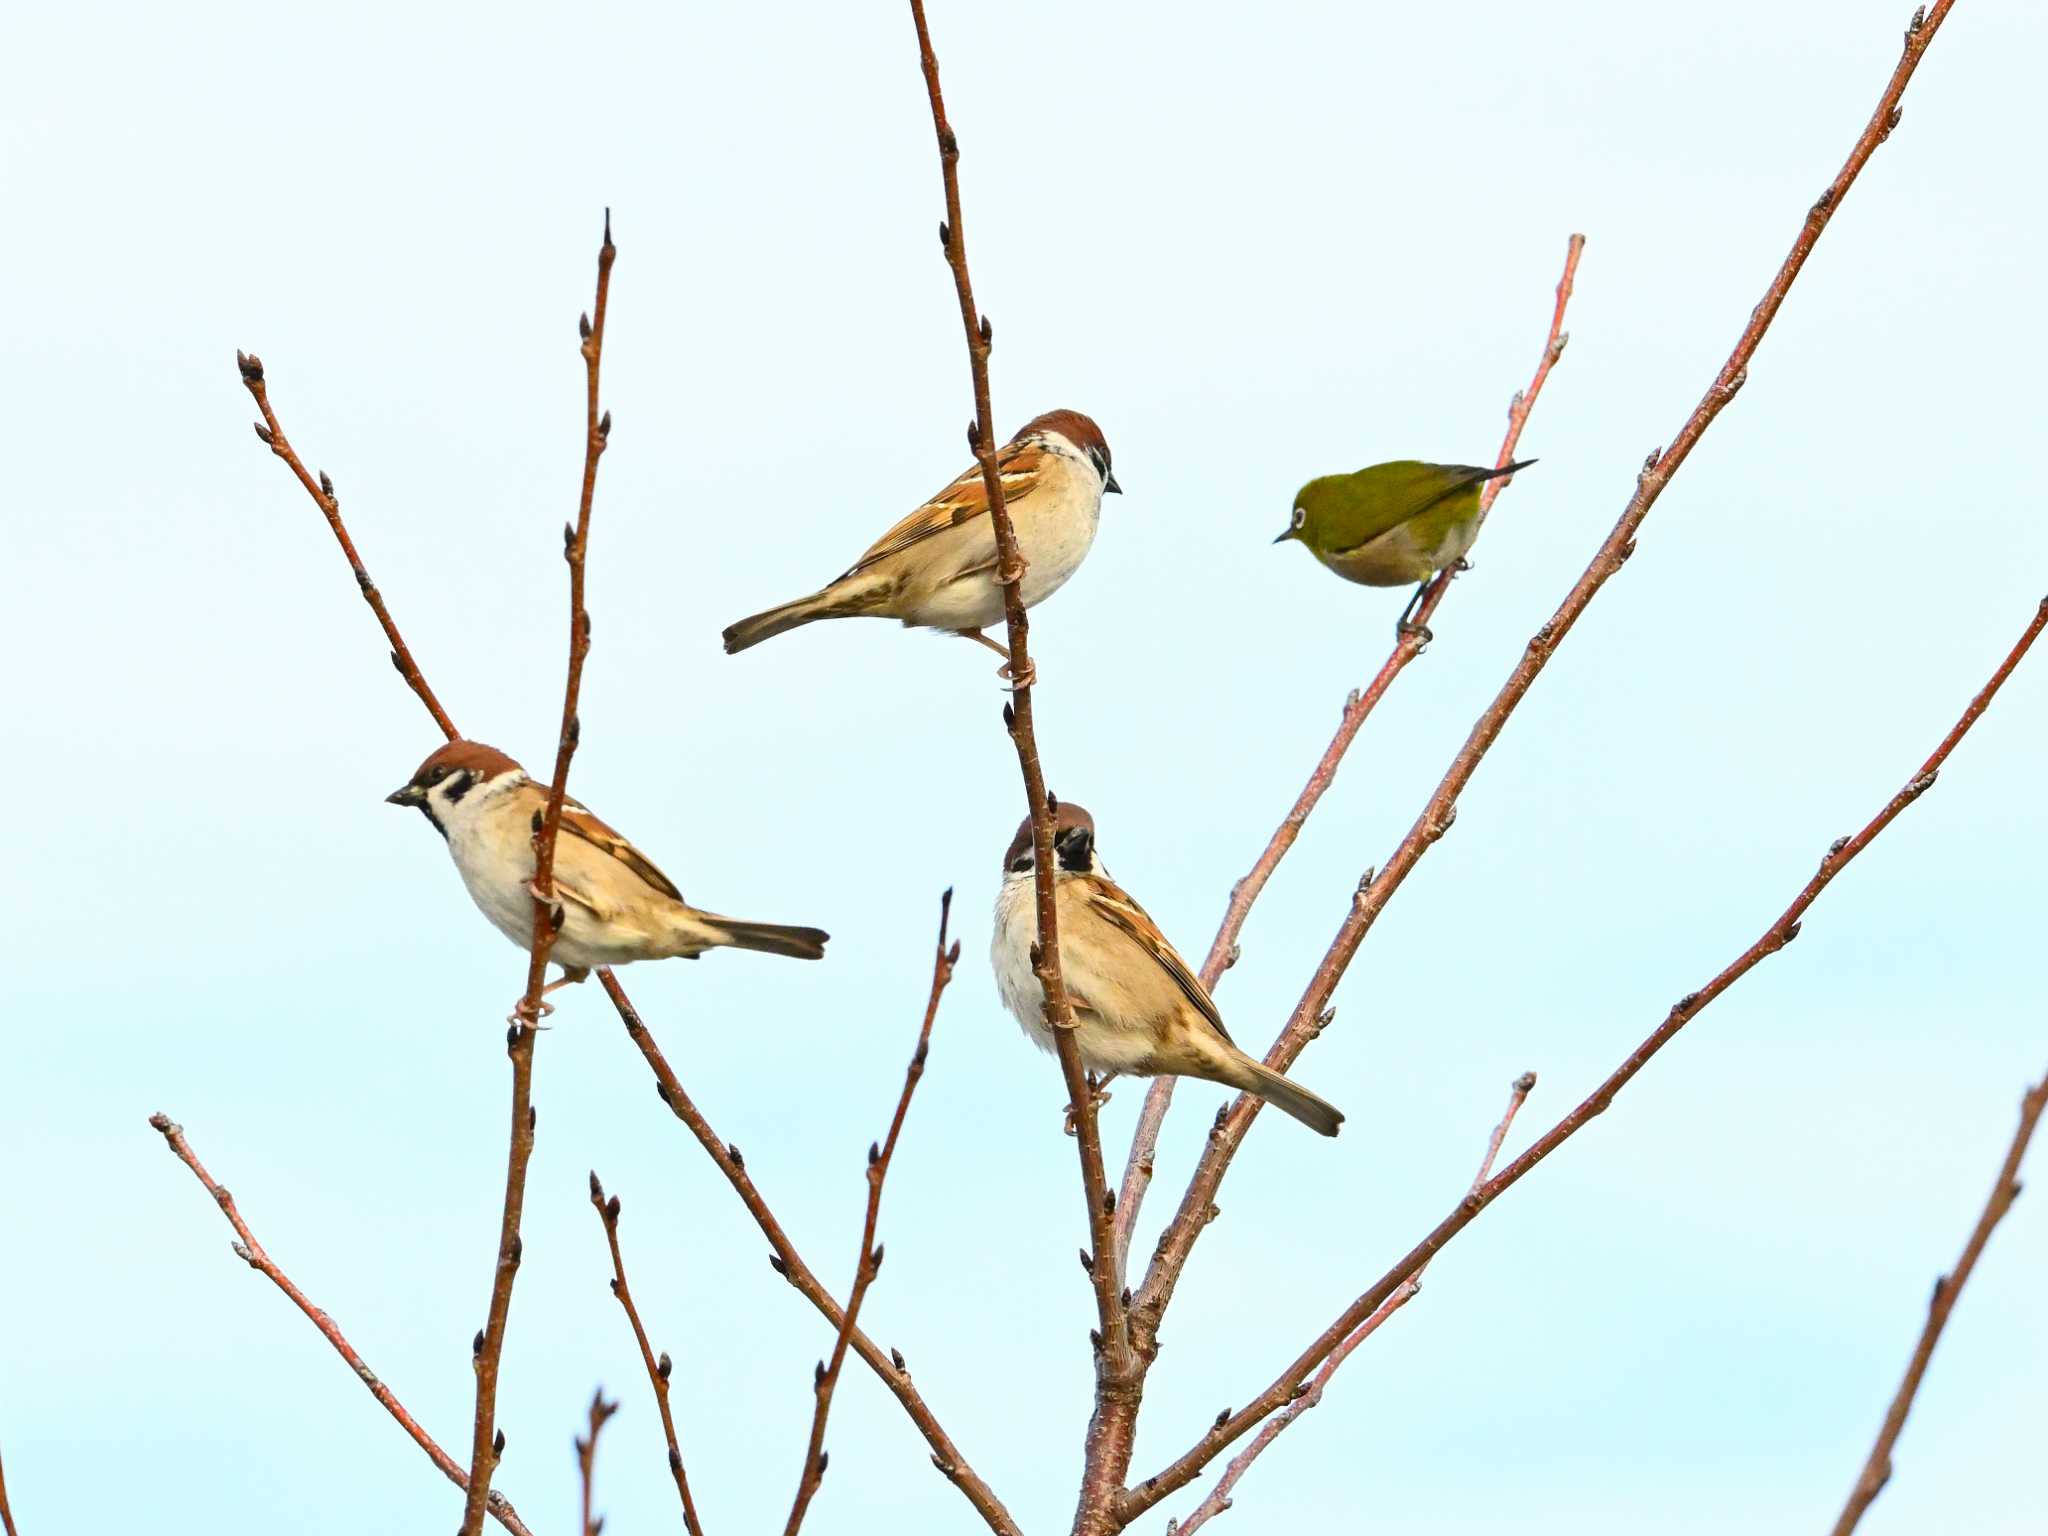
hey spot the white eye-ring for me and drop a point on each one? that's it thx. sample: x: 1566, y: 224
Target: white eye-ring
x: 1300, y: 517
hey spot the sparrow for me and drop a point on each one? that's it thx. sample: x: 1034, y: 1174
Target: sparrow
x: 1138, y: 1009
x: 1390, y: 524
x: 616, y: 906
x: 937, y: 568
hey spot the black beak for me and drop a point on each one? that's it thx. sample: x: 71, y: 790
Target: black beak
x: 412, y: 794
x: 1109, y: 484
x: 1285, y: 537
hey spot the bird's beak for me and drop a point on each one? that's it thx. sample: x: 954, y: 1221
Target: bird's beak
x: 411, y: 794
x: 1109, y: 484
x: 1284, y: 537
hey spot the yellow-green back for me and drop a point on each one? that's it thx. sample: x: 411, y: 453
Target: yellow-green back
x: 1340, y: 512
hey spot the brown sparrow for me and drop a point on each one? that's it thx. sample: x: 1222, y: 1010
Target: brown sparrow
x: 1138, y: 1009
x: 937, y: 568
x: 617, y: 907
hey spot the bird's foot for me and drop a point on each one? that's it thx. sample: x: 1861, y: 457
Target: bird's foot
x: 1408, y: 629
x: 542, y: 1008
x: 1098, y: 1095
x: 556, y: 911
x: 1015, y: 681
x: 1005, y: 671
x: 1460, y: 566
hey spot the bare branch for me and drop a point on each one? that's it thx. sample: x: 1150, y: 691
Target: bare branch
x: 789, y: 1264
x: 1219, y: 1496
x: 1223, y: 950
x: 322, y: 492
x: 1774, y: 938
x: 870, y: 1262
x: 1877, y: 1470
x: 1118, y: 1373
x: 6, y: 1510
x: 488, y: 1444
x: 657, y: 1370
x: 1178, y: 1241
x: 586, y: 1459
x: 252, y: 1253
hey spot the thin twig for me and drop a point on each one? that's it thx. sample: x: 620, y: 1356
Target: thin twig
x: 252, y: 1253
x: 488, y: 1443
x: 1877, y: 1470
x: 322, y: 492
x: 1223, y: 950
x: 1219, y: 1499
x: 1774, y: 938
x: 1374, y: 892
x: 586, y: 1459
x: 6, y: 1510
x: 789, y: 1264
x: 658, y: 1371
x: 870, y: 1262
x: 1117, y: 1368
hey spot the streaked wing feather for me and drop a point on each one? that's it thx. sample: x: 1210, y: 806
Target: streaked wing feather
x: 962, y: 501
x: 1114, y: 906
x: 578, y: 822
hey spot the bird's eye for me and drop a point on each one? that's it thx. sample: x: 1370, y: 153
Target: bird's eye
x: 1300, y: 517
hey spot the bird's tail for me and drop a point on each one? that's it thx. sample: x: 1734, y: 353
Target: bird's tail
x: 1285, y: 1094
x: 768, y: 938
x: 834, y: 602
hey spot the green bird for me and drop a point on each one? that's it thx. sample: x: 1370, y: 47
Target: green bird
x: 1390, y: 524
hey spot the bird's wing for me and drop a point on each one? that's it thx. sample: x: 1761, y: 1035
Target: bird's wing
x: 579, y: 823
x: 1109, y: 901
x: 961, y: 502
x: 1401, y: 491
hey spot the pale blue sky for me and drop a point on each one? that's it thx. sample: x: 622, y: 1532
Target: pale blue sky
x: 1257, y: 246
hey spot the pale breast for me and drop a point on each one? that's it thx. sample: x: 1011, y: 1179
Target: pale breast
x: 1016, y: 926
x: 1394, y: 559
x: 1117, y: 1028
x: 955, y: 584
x: 1056, y: 525
x: 495, y: 860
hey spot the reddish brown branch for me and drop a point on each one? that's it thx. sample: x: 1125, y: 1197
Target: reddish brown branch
x: 1218, y: 1499
x: 1877, y: 1470
x: 658, y: 1371
x: 870, y: 1262
x: 488, y: 1444
x: 1774, y: 938
x: 6, y: 1509
x: 1223, y: 951
x: 322, y: 492
x: 1374, y: 892
x: 252, y: 1253
x: 788, y: 1263
x: 586, y: 1459
x: 1116, y: 1364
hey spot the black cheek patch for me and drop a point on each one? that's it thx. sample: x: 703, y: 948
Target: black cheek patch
x: 460, y: 785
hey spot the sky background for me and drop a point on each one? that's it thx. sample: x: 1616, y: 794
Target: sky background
x: 1257, y: 245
